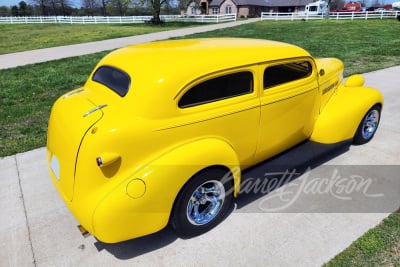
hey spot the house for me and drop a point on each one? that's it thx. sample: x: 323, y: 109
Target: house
x: 246, y: 8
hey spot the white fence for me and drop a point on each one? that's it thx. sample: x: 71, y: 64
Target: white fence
x: 332, y: 15
x: 117, y: 20
x: 364, y: 15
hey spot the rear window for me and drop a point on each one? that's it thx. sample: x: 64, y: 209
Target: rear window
x: 219, y: 88
x: 113, y: 78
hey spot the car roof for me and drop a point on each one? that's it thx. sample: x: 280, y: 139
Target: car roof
x: 159, y: 70
x: 198, y: 56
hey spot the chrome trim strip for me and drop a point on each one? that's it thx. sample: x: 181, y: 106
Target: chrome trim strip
x: 72, y: 93
x: 94, y: 109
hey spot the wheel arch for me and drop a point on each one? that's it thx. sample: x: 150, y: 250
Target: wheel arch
x: 359, y: 139
x: 209, y: 168
x: 164, y: 177
x: 343, y: 114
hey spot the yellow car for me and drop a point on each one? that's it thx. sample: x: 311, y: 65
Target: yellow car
x: 160, y: 132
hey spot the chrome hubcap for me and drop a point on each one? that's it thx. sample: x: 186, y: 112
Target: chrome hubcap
x: 205, y: 202
x: 370, y: 124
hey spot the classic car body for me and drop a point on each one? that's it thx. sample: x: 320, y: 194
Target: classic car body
x: 160, y: 132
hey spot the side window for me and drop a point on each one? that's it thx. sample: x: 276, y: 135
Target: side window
x: 288, y: 72
x: 219, y: 88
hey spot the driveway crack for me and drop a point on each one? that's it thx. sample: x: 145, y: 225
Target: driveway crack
x: 25, y: 212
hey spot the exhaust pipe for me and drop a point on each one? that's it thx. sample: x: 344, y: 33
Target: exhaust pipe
x: 83, y: 231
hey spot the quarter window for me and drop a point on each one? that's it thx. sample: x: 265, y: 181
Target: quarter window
x: 113, y: 78
x: 219, y: 88
x: 284, y: 73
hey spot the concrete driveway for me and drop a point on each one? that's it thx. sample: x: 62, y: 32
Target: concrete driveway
x: 304, y: 222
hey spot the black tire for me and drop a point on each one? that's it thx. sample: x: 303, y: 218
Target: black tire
x: 368, y: 126
x: 218, y: 183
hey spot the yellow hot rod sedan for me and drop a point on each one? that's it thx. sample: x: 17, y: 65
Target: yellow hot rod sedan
x: 157, y: 134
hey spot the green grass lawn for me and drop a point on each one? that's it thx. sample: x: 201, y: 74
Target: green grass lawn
x: 22, y: 37
x: 27, y: 93
x: 362, y: 45
x: 380, y: 246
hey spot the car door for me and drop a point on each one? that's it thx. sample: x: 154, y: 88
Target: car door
x: 288, y: 105
x: 226, y: 106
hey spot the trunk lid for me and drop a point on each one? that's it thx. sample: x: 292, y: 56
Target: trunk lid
x: 72, y: 116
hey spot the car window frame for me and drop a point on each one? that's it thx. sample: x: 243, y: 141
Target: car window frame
x: 118, y: 92
x: 267, y: 65
x: 209, y: 77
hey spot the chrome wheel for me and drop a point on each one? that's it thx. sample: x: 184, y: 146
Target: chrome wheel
x: 370, y: 124
x: 205, y: 202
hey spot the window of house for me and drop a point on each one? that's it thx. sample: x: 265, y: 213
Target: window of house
x: 219, y: 88
x: 228, y: 9
x: 113, y: 78
x: 193, y: 10
x: 287, y: 72
x: 214, y: 10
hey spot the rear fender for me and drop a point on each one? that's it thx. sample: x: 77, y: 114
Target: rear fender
x: 142, y: 203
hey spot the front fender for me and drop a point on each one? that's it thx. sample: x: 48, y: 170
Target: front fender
x: 340, y: 118
x: 142, y: 204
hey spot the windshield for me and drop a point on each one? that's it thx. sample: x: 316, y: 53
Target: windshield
x: 113, y: 78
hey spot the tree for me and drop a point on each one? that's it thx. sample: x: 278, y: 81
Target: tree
x: 155, y: 6
x: 43, y: 5
x: 22, y: 8
x: 5, y: 11
x: 14, y: 11
x: 89, y: 6
x: 54, y: 5
x: 121, y: 6
x: 63, y: 5
x: 104, y: 4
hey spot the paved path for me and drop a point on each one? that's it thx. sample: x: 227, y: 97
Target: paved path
x: 41, y: 55
x: 36, y: 228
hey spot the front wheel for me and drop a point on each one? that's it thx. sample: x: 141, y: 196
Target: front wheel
x: 368, y: 126
x: 203, y: 202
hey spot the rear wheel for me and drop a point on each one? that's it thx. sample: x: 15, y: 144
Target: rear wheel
x: 368, y: 126
x: 203, y: 202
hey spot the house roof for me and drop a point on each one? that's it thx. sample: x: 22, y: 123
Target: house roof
x: 216, y: 3
x: 266, y: 3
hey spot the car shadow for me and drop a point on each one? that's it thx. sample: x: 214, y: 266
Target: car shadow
x: 139, y: 246
x: 257, y: 181
x: 303, y: 157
